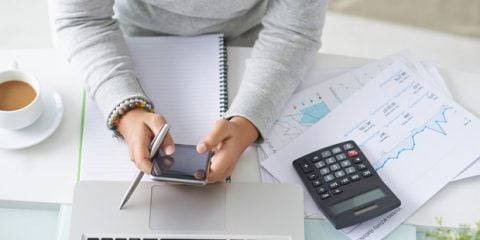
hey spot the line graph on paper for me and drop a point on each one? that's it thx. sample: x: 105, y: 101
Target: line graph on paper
x: 410, y: 144
x: 301, y: 114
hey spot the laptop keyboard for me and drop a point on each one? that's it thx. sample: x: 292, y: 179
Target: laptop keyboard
x: 149, y: 238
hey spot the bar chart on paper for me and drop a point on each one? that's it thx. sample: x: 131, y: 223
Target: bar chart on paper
x: 417, y: 138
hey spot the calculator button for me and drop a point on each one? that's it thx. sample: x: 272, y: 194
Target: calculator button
x: 324, y: 171
x: 312, y: 176
x: 352, y: 153
x: 321, y: 190
x: 333, y: 185
x: 341, y: 156
x: 337, y: 191
x: 325, y: 196
x: 334, y: 167
x: 306, y: 167
x: 326, y: 154
x: 328, y: 178
x: 315, y: 159
x: 357, y: 160
x: 344, y: 181
x: 355, y: 177
x: 316, y: 183
x: 336, y: 150
x: 347, y: 146
x: 330, y: 160
x: 367, y: 173
x: 361, y: 166
x: 339, y: 174
x: 345, y: 163
x: 350, y: 170
x: 320, y: 164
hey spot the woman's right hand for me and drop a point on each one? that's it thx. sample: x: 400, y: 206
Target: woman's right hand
x: 138, y: 128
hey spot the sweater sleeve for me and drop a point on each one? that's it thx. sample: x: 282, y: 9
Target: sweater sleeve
x: 96, y: 47
x: 281, y: 56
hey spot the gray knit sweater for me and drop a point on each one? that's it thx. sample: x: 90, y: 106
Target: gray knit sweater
x: 92, y: 33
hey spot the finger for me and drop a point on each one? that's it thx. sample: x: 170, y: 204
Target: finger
x: 216, y: 135
x: 168, y: 146
x: 155, y: 123
x: 221, y: 163
x: 141, y: 154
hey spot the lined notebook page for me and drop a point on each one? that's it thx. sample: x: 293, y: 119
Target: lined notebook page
x: 182, y: 77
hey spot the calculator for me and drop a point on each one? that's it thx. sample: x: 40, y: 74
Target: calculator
x: 344, y: 185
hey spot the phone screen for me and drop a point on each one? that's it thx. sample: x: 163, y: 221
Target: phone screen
x: 184, y: 164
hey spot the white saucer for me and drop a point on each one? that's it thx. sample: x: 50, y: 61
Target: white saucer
x: 46, y: 124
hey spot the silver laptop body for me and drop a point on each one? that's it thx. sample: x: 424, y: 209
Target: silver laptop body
x: 233, y: 211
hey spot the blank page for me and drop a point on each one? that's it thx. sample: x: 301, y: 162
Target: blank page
x: 182, y: 77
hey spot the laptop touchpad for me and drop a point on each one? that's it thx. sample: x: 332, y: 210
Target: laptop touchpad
x: 180, y: 207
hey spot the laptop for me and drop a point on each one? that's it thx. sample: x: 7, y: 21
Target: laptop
x: 161, y: 211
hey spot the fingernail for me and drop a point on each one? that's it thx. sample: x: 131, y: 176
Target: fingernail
x: 169, y: 150
x: 201, y: 147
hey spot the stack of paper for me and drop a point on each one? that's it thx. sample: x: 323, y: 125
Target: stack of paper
x: 402, y: 117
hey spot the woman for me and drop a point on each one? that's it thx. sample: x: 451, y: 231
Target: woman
x: 285, y: 35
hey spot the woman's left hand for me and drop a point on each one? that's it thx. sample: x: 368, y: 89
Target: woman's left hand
x: 227, y: 139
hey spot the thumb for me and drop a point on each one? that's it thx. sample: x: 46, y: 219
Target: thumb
x: 218, y: 133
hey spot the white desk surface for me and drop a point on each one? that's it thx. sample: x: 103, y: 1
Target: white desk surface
x: 47, y: 172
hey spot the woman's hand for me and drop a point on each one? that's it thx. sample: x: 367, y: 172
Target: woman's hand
x: 228, y: 140
x: 138, y: 128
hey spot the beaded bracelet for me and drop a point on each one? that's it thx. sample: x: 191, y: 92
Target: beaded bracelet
x: 122, y: 108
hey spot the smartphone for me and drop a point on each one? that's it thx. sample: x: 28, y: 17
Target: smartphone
x: 184, y: 166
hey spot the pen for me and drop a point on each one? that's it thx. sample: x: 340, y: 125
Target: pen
x: 154, y: 145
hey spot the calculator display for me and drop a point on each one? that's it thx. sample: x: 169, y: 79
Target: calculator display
x: 357, y: 201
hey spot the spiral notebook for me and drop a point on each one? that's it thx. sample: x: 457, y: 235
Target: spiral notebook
x: 186, y: 78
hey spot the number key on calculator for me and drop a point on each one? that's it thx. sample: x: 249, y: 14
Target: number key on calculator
x: 344, y: 185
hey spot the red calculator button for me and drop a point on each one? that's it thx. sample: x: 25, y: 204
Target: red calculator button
x: 352, y: 153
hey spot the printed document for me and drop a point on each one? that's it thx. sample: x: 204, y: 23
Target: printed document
x: 415, y: 136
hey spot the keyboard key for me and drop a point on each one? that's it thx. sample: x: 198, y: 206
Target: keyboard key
x: 321, y: 190
x: 334, y: 167
x: 333, y: 185
x: 337, y: 191
x: 350, y: 170
x: 336, y: 150
x: 357, y: 160
x: 134, y: 239
x: 320, y: 164
x: 345, y: 163
x: 344, y: 181
x: 316, y: 183
x: 326, y: 154
x: 328, y: 178
x: 339, y: 174
x: 361, y: 166
x: 347, y: 146
x: 367, y: 173
x: 324, y: 171
x: 330, y: 160
x: 352, y: 153
x: 306, y: 167
x: 107, y: 238
x: 150, y: 239
x: 341, y: 156
x: 315, y: 158
x: 120, y: 239
x: 93, y: 238
x: 325, y: 195
x: 312, y: 176
x: 355, y: 178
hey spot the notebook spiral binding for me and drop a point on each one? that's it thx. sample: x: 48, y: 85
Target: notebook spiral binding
x: 223, y: 76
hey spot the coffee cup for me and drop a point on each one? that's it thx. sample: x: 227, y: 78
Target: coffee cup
x: 20, y: 100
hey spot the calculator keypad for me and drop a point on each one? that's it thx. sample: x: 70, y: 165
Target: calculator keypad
x: 331, y: 168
